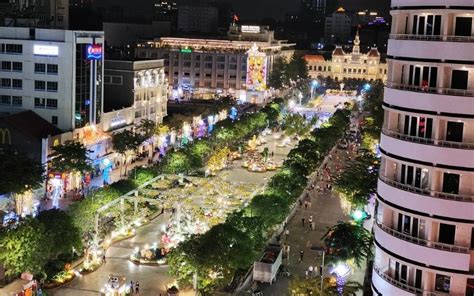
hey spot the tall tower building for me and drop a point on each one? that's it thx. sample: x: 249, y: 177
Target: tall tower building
x: 424, y: 230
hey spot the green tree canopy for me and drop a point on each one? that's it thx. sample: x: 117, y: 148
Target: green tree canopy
x: 60, y: 232
x: 70, y: 157
x: 24, y: 248
x: 20, y: 172
x: 348, y: 240
x: 359, y: 179
x: 125, y: 141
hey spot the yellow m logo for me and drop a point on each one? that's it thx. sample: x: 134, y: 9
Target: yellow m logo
x: 5, y: 137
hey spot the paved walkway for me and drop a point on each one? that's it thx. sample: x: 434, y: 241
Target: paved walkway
x: 326, y: 210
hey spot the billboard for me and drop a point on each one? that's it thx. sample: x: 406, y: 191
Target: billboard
x: 94, y: 51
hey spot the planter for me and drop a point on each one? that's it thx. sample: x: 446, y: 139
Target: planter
x: 61, y: 281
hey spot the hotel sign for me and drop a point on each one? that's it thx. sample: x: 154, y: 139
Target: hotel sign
x: 250, y: 29
x: 45, y: 50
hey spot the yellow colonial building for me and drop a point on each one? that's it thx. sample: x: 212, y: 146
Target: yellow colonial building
x: 349, y: 65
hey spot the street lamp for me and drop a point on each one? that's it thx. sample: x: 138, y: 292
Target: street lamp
x: 314, y: 84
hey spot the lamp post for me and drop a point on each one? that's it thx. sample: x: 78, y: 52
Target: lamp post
x: 322, y: 270
x: 314, y: 84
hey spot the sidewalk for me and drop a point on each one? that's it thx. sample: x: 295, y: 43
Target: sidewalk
x: 95, y: 183
x: 326, y: 210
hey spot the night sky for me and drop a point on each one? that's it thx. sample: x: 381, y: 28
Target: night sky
x: 258, y: 9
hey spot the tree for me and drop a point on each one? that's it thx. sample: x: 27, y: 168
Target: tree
x: 62, y: 236
x: 348, y: 241
x: 176, y: 163
x: 147, y: 128
x: 277, y: 77
x: 359, y: 179
x: 126, y: 142
x: 70, y: 157
x: 305, y: 287
x: 21, y: 175
x: 297, y: 69
x: 372, y: 104
x: 23, y: 248
x: 213, y: 257
x: 270, y: 208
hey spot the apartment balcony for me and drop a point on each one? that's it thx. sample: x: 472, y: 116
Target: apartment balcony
x: 434, y: 154
x: 387, y: 285
x: 423, y: 251
x: 445, y: 38
x: 431, y: 49
x: 442, y: 100
x: 432, y: 202
x: 432, y: 90
x: 425, y: 141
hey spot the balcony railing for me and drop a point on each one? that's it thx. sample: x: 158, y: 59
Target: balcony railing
x: 448, y: 38
x: 420, y: 140
x: 405, y: 287
x: 427, y: 192
x: 423, y: 242
x: 433, y: 90
x: 396, y: 283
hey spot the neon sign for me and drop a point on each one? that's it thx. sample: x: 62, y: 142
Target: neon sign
x: 186, y: 50
x: 94, y: 52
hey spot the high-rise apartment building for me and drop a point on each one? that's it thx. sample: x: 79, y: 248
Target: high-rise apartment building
x: 39, y: 14
x: 337, y: 28
x: 424, y: 230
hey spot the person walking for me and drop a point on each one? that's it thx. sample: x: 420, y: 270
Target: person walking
x: 287, y: 233
x: 137, y: 288
x: 103, y: 259
x: 306, y: 204
x: 310, y: 220
x: 132, y: 286
x: 302, y: 221
x: 301, y: 255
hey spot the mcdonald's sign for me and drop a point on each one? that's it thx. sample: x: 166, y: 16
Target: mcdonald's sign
x: 5, y: 136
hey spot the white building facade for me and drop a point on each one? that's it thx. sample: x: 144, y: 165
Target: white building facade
x: 424, y: 230
x: 348, y: 65
x: 56, y: 73
x: 207, y: 67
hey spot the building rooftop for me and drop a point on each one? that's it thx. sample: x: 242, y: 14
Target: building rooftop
x: 338, y: 51
x: 314, y: 58
x: 212, y: 44
x: 30, y: 123
x: 373, y: 52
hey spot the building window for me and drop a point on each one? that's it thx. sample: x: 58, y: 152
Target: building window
x: 17, y: 66
x: 52, y: 86
x: 14, y: 48
x: 6, y: 83
x: 443, y: 283
x: 52, y: 69
x: 54, y: 120
x: 40, y: 68
x: 40, y: 85
x: 197, y: 64
x: 6, y: 66
x: 187, y: 64
x: 208, y: 65
x: 52, y: 103
x: 208, y: 58
x: 220, y: 66
x: 17, y: 101
x: 17, y: 83
x: 5, y: 100
x: 40, y: 103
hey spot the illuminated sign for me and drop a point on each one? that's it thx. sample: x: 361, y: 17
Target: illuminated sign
x: 94, y: 52
x: 186, y: 50
x: 117, y: 121
x: 45, y: 50
x: 250, y: 29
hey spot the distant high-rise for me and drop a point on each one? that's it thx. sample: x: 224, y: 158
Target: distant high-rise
x: 198, y: 16
x: 53, y: 14
x: 424, y: 221
x: 338, y: 27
